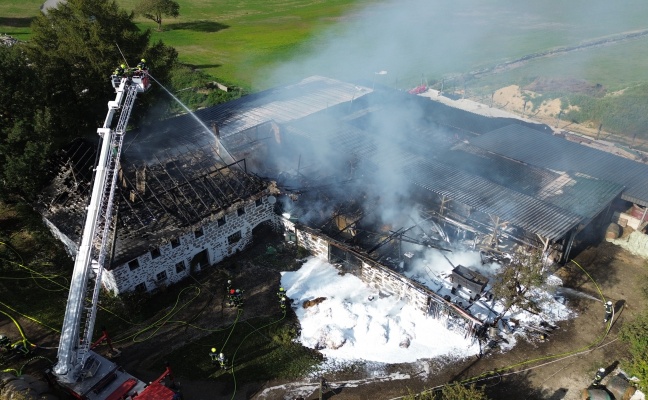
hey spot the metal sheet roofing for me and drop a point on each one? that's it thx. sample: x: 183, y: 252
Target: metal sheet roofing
x: 580, y: 194
x: 283, y: 104
x: 553, y: 152
x: 519, y: 209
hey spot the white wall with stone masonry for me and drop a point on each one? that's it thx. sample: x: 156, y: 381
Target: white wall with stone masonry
x: 121, y: 279
x: 381, y: 278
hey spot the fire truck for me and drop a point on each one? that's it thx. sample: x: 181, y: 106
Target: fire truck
x: 79, y: 370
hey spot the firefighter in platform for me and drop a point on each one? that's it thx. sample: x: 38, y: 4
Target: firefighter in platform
x: 141, y: 66
x: 282, y: 302
x: 609, y: 310
x: 119, y: 71
x: 281, y: 293
x: 213, y: 355
x: 229, y: 286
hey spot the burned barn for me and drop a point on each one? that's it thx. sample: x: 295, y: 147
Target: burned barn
x: 366, y: 177
x: 356, y: 171
x: 180, y: 207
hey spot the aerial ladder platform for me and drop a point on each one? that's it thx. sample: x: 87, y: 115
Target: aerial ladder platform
x: 79, y: 370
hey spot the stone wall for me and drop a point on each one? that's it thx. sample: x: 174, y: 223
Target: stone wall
x: 391, y: 283
x: 174, y: 260
x: 386, y: 281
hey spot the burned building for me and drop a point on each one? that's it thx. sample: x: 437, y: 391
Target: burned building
x: 366, y: 177
x: 180, y: 208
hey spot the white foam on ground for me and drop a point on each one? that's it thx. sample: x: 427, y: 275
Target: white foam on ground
x: 348, y: 326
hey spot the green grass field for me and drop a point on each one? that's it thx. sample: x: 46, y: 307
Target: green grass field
x: 243, y: 41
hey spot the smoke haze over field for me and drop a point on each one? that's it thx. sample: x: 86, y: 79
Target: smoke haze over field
x: 409, y: 38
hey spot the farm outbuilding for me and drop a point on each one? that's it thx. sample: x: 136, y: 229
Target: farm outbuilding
x: 382, y: 173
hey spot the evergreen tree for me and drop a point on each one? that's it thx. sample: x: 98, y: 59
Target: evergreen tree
x: 56, y: 87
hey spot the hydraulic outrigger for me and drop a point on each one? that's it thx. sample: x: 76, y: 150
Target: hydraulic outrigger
x: 82, y: 372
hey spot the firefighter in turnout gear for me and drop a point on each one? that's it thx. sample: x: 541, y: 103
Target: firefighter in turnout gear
x: 222, y: 361
x: 213, y: 355
x: 282, y: 302
x: 600, y: 374
x: 238, y: 297
x: 281, y: 293
x: 119, y: 71
x: 609, y: 310
x: 5, y: 342
x: 231, y: 295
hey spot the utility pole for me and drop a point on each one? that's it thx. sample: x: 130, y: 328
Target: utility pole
x: 599, y: 132
x: 322, y: 387
x: 558, y: 118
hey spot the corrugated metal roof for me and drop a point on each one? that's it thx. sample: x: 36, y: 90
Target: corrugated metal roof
x: 283, y: 104
x: 553, y: 152
x: 483, y: 195
x: 580, y: 194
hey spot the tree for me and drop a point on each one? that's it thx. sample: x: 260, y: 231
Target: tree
x: 74, y: 49
x: 56, y: 86
x: 24, y: 137
x: 516, y: 280
x: 456, y: 391
x: 155, y: 9
x: 452, y: 391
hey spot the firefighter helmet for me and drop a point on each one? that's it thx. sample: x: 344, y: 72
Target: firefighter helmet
x: 143, y: 60
x: 609, y: 303
x: 232, y: 291
x: 123, y: 66
x: 213, y: 350
x: 281, y: 289
x: 238, y: 290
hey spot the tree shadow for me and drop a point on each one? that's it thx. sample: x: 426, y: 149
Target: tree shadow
x: 202, y: 66
x: 200, y: 26
x: 21, y: 22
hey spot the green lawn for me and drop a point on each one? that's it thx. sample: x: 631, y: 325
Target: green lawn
x: 16, y: 15
x: 237, y: 40
x: 244, y: 41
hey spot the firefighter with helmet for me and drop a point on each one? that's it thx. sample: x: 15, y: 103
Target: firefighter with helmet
x: 213, y: 355
x: 222, y: 361
x: 609, y: 309
x: 281, y: 293
x: 600, y: 374
x: 238, y: 297
x: 231, y: 297
x: 120, y: 70
x: 5, y: 342
x: 141, y: 66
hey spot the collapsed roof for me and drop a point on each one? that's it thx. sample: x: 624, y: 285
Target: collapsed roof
x: 348, y: 150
